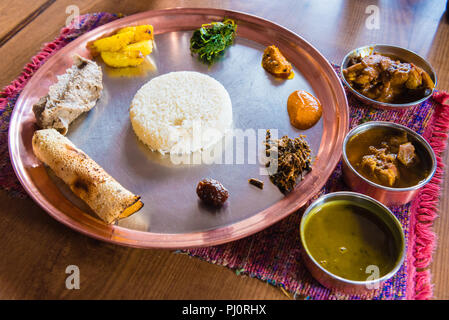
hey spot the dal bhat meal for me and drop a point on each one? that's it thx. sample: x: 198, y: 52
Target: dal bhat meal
x: 177, y: 113
x: 183, y: 112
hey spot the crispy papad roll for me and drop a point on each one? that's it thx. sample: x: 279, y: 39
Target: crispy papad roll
x: 104, y: 195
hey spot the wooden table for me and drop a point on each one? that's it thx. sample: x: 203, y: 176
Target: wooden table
x: 36, y: 249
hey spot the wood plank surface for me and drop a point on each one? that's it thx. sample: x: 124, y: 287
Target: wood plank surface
x: 15, y: 15
x: 37, y: 249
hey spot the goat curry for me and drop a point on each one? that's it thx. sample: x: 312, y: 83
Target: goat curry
x: 388, y: 157
x: 385, y: 78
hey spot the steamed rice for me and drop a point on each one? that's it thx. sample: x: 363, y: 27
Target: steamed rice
x: 181, y: 112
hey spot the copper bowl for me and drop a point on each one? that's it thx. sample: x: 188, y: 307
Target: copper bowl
x: 389, y: 196
x: 402, y: 54
x: 335, y: 282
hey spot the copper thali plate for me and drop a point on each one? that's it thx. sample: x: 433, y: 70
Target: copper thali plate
x: 172, y: 216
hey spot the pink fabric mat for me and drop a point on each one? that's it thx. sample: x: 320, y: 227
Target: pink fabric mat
x: 273, y: 254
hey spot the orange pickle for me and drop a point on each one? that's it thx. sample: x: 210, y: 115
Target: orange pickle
x: 303, y: 109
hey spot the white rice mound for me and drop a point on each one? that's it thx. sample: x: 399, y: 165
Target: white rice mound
x: 181, y: 112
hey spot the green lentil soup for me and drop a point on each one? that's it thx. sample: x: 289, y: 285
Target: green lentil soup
x: 345, y: 238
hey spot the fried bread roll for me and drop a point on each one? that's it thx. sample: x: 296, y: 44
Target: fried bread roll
x: 104, y: 195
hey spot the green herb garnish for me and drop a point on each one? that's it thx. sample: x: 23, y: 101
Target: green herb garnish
x: 211, y: 40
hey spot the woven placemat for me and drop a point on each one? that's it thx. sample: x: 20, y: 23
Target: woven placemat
x: 273, y: 255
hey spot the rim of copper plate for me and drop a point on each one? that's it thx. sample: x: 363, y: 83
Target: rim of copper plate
x: 74, y: 218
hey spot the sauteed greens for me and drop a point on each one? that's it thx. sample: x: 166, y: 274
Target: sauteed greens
x: 211, y: 40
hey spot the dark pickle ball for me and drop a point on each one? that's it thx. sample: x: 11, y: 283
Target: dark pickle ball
x: 212, y: 192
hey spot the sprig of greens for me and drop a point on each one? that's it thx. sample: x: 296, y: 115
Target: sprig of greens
x: 211, y: 40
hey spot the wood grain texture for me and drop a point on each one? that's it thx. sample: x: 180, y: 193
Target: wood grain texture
x: 37, y: 249
x: 14, y: 15
x: 29, y: 40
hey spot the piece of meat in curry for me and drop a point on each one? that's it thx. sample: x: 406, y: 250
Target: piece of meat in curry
x: 387, y: 158
x: 387, y: 79
x: 381, y: 165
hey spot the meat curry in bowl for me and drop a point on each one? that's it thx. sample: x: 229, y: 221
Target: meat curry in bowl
x: 387, y: 161
x: 388, y: 157
x: 388, y: 76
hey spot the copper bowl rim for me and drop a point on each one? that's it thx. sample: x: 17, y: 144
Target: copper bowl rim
x: 350, y: 194
x: 417, y: 136
x: 385, y: 104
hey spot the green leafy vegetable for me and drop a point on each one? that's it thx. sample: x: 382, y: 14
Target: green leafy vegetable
x: 211, y: 40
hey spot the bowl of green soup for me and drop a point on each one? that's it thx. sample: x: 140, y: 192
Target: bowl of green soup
x: 351, y: 242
